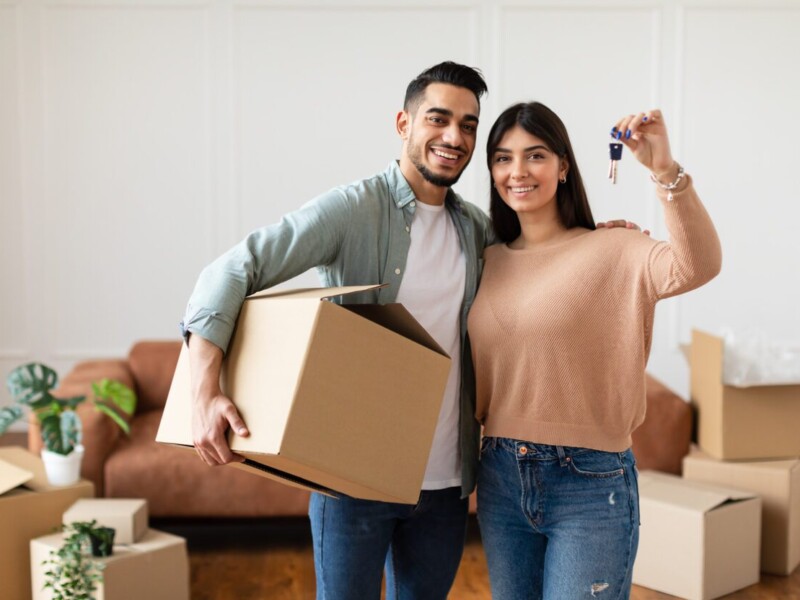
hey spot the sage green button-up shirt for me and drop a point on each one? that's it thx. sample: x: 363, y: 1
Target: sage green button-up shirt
x: 357, y: 234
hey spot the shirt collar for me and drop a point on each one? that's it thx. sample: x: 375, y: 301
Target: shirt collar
x: 403, y: 194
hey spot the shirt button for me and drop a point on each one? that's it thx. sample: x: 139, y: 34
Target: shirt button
x: 397, y: 271
x: 408, y: 228
x: 413, y: 204
x: 523, y: 451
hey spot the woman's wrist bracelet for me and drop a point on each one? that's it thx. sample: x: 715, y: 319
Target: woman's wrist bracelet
x: 670, y: 187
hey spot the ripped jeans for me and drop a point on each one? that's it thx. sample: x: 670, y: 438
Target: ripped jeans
x: 557, y: 523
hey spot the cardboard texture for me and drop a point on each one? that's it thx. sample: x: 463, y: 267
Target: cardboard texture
x: 127, y: 516
x: 740, y: 423
x: 338, y: 398
x: 777, y: 482
x: 156, y: 568
x: 29, y: 507
x: 696, y: 541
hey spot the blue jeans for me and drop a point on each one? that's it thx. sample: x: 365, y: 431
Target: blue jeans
x: 420, y: 546
x: 557, y: 523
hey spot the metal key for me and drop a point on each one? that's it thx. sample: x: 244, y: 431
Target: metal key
x: 615, y: 154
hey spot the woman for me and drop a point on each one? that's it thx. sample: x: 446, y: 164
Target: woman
x: 560, y: 332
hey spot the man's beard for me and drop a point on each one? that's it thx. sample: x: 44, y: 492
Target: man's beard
x: 416, y: 159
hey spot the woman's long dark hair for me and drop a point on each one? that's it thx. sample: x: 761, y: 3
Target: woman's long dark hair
x: 538, y: 120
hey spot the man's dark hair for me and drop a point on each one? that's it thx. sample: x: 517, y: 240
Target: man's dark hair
x: 446, y: 72
x: 540, y: 121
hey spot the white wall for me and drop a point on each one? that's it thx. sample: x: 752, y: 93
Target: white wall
x: 138, y: 140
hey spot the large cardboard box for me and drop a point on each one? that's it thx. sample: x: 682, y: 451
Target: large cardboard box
x: 740, y: 423
x: 156, y: 568
x: 778, y: 484
x: 337, y: 398
x: 127, y: 516
x: 696, y: 541
x: 29, y: 507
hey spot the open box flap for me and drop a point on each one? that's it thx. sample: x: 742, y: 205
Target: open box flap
x: 691, y: 495
x: 397, y: 318
x: 20, y: 467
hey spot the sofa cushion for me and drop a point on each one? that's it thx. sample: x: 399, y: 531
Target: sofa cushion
x: 153, y: 365
x: 178, y: 484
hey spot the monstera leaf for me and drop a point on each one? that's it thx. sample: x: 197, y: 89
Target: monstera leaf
x: 8, y: 416
x: 31, y: 384
x: 71, y: 431
x: 61, y: 431
x: 51, y: 433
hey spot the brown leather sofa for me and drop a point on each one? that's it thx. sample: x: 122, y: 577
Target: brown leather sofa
x: 177, y: 484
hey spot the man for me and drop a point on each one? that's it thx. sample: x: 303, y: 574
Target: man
x: 404, y: 227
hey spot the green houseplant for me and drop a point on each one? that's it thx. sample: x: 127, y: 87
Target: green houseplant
x: 31, y: 386
x: 71, y: 571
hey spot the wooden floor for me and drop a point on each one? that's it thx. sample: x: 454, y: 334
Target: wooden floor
x: 272, y: 559
x: 244, y: 560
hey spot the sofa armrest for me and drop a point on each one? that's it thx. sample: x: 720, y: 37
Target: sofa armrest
x: 100, y: 434
x: 661, y: 442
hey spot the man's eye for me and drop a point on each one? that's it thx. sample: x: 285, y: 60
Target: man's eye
x: 469, y: 128
x: 436, y: 120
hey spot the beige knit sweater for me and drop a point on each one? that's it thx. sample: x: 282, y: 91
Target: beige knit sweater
x: 561, y: 334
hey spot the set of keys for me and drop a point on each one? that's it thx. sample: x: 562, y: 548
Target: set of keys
x: 615, y: 154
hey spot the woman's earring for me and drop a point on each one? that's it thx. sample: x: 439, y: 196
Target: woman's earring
x: 563, y: 179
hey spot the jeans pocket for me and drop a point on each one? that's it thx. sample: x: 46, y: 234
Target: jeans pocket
x: 597, y: 464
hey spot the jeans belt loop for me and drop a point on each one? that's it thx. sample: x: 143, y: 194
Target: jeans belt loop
x: 562, y: 456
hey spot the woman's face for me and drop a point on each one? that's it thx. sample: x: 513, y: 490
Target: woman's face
x: 526, y: 172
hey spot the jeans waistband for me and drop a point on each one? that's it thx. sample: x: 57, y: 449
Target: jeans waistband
x: 540, y: 451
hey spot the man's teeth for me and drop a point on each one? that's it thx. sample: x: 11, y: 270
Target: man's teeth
x: 445, y: 154
x: 522, y: 190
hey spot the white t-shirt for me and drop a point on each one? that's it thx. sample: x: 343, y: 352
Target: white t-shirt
x: 432, y: 290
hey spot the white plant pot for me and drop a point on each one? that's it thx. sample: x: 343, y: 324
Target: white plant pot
x: 63, y: 470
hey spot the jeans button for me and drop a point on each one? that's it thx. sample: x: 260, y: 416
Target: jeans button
x: 523, y: 450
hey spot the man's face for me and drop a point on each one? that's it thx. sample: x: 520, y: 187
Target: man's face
x: 440, y: 133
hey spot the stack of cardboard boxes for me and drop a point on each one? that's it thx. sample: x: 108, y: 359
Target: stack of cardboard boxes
x: 737, y: 508
x: 29, y: 507
x: 146, y: 563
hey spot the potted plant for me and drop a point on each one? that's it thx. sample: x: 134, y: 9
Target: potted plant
x: 31, y: 385
x: 70, y: 571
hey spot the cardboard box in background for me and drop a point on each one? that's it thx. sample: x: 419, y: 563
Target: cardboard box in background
x: 29, y: 507
x: 156, y: 568
x: 337, y: 398
x: 777, y: 482
x: 740, y: 423
x: 696, y: 541
x: 128, y: 517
